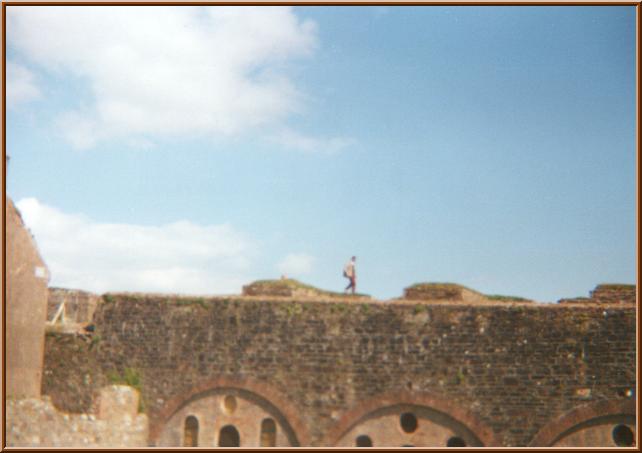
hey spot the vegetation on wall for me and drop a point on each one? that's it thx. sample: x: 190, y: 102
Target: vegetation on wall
x: 291, y: 287
x: 130, y: 377
x: 500, y: 297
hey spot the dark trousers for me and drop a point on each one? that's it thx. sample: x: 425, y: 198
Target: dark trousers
x: 352, y: 284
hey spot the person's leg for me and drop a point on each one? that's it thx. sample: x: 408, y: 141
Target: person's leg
x: 351, y: 285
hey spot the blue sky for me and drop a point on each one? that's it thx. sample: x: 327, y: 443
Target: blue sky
x: 195, y: 150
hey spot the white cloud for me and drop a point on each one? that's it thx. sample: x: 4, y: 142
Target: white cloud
x: 294, y: 140
x: 296, y: 264
x: 180, y: 257
x: 21, y: 85
x: 165, y: 71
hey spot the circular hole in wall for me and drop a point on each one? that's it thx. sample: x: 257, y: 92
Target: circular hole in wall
x: 624, y: 393
x: 408, y: 422
x: 364, y: 441
x: 229, y: 404
x: 456, y: 442
x: 623, y: 436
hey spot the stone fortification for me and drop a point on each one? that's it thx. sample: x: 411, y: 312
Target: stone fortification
x: 610, y: 294
x: 325, y: 372
x: 287, y: 364
x: 441, y: 291
x: 453, y: 293
x: 36, y: 422
x: 294, y: 289
x: 79, y: 306
x: 606, y: 294
x: 26, y: 305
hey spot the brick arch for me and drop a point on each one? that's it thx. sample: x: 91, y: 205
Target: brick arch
x: 557, y: 428
x: 265, y: 392
x: 354, y: 416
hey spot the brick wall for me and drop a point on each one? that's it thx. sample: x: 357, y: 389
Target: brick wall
x: 511, y: 368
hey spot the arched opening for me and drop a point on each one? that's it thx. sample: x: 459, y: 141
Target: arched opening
x: 623, y: 436
x: 268, y: 433
x: 606, y: 423
x: 395, y: 425
x: 190, y: 433
x: 229, y: 437
x: 456, y: 442
x: 207, y: 402
x: 408, y: 422
x: 364, y: 441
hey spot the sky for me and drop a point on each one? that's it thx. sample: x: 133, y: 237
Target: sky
x: 197, y: 149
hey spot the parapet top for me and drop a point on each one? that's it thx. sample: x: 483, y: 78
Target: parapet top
x: 287, y: 287
x: 607, y: 293
x: 453, y: 292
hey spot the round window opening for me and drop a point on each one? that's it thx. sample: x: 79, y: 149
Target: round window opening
x: 229, y: 404
x: 623, y: 436
x: 408, y: 422
x: 456, y: 442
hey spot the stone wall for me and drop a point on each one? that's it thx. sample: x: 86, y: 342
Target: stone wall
x: 606, y: 294
x: 610, y: 294
x: 73, y: 375
x: 286, y: 287
x: 431, y: 293
x: 442, y: 292
x: 479, y: 373
x: 36, y: 422
x: 79, y: 305
x: 26, y: 306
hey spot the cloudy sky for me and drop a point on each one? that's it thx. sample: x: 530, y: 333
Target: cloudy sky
x: 196, y: 149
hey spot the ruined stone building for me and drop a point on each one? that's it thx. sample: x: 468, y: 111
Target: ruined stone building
x: 31, y: 418
x: 285, y: 364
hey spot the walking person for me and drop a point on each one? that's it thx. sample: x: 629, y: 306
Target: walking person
x: 350, y: 272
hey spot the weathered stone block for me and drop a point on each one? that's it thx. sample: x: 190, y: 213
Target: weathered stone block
x: 118, y: 402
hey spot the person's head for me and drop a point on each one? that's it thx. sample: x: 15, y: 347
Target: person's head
x: 354, y: 258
